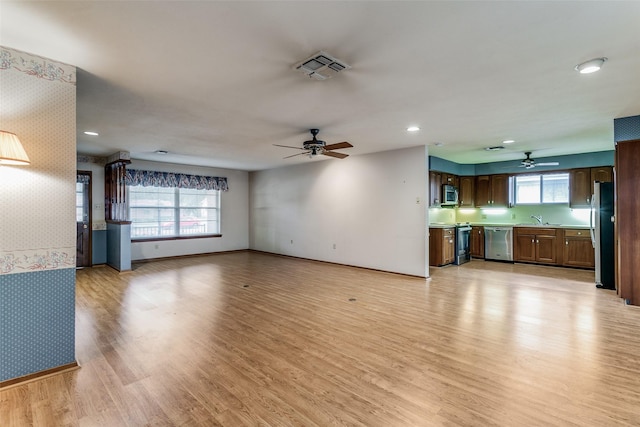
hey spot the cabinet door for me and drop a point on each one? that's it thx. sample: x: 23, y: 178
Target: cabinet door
x: 466, y: 192
x: 524, y: 247
x: 580, y: 187
x: 500, y: 190
x: 602, y: 174
x: 435, y: 246
x: 450, y: 179
x: 476, y: 242
x: 546, y: 249
x: 435, y: 188
x: 577, y: 249
x: 483, y: 190
x: 448, y: 248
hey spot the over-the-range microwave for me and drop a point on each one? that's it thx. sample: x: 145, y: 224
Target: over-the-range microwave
x: 449, y: 195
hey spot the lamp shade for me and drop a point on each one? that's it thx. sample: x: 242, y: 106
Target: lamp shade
x: 11, y: 151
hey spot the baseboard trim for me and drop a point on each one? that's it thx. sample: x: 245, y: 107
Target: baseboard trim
x: 14, y: 382
x: 168, y: 258
x: 337, y: 263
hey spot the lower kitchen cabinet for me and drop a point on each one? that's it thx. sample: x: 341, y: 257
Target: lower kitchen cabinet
x: 476, y: 242
x: 441, y: 246
x: 539, y: 245
x: 577, y: 249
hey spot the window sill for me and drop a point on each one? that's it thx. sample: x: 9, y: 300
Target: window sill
x: 156, y: 239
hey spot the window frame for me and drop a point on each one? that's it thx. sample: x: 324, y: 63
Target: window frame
x: 540, y: 176
x: 176, y: 209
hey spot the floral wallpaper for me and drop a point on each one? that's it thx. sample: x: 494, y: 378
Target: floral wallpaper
x: 36, y: 66
x: 36, y: 260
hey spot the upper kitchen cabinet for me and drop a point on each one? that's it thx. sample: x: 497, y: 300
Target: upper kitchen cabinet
x: 435, y: 188
x: 581, y: 184
x: 449, y: 179
x: 492, y: 190
x: 466, y: 191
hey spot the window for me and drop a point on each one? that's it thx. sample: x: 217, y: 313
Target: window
x: 543, y: 188
x: 159, y: 212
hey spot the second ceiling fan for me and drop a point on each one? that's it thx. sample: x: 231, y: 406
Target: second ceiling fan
x: 315, y: 147
x: 529, y: 163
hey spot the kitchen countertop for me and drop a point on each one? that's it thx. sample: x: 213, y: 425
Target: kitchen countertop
x: 577, y: 227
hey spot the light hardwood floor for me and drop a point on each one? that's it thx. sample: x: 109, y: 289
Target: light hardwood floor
x: 253, y: 339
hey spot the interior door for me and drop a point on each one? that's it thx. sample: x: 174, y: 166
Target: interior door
x: 83, y: 219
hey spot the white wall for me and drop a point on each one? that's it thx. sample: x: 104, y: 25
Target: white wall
x: 371, y: 207
x: 234, y: 215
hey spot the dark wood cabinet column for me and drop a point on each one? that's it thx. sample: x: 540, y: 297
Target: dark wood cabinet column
x: 627, y: 224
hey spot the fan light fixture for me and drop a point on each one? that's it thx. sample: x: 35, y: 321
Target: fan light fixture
x: 590, y: 66
x: 11, y: 151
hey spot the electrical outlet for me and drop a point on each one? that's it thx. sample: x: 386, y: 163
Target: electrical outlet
x: 292, y: 242
x: 417, y: 200
x: 334, y: 246
x: 157, y: 246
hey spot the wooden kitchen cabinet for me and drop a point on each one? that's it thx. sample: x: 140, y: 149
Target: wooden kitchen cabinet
x: 492, y: 190
x: 581, y: 184
x: 441, y: 246
x: 435, y: 188
x: 466, y: 191
x: 577, y: 249
x: 476, y: 242
x: 449, y: 179
x: 538, y: 245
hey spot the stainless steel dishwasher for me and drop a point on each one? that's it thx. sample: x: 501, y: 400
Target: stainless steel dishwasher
x: 498, y: 243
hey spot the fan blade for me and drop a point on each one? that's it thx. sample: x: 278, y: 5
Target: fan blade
x: 548, y: 164
x: 288, y: 146
x: 299, y: 154
x: 336, y: 155
x: 338, y: 146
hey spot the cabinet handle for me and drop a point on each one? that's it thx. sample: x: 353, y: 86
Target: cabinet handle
x: 532, y: 241
x: 537, y: 241
x: 566, y: 242
x: 587, y: 200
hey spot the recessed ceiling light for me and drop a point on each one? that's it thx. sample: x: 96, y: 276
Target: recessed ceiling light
x: 590, y: 66
x: 91, y: 133
x: 508, y: 141
x: 162, y: 152
x: 413, y: 129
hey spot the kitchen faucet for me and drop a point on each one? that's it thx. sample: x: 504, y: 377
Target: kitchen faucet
x: 537, y: 218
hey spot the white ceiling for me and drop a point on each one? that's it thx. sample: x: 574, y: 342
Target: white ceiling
x: 212, y: 82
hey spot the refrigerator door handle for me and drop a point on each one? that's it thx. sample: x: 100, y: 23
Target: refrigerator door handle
x: 591, y: 224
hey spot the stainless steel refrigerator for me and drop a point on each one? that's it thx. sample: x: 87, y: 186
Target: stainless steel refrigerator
x: 602, y: 234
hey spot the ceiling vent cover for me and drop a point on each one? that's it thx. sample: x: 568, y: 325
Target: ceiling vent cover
x: 321, y: 66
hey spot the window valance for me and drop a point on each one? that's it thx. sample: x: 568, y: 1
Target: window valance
x: 173, y: 180
x: 82, y: 178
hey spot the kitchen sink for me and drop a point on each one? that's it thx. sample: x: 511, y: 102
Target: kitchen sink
x: 544, y: 224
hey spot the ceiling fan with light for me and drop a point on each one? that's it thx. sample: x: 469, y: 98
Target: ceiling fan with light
x: 315, y: 147
x: 529, y: 163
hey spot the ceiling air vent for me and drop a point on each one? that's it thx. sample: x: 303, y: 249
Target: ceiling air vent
x: 496, y: 148
x: 321, y: 66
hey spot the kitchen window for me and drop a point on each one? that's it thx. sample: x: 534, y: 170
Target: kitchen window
x: 541, y: 189
x: 171, y: 212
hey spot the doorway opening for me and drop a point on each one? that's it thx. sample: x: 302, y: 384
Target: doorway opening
x: 83, y: 219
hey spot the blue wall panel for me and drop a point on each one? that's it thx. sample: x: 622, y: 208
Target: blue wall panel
x: 99, y: 247
x: 119, y: 246
x: 585, y: 160
x: 626, y: 128
x: 37, y: 321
